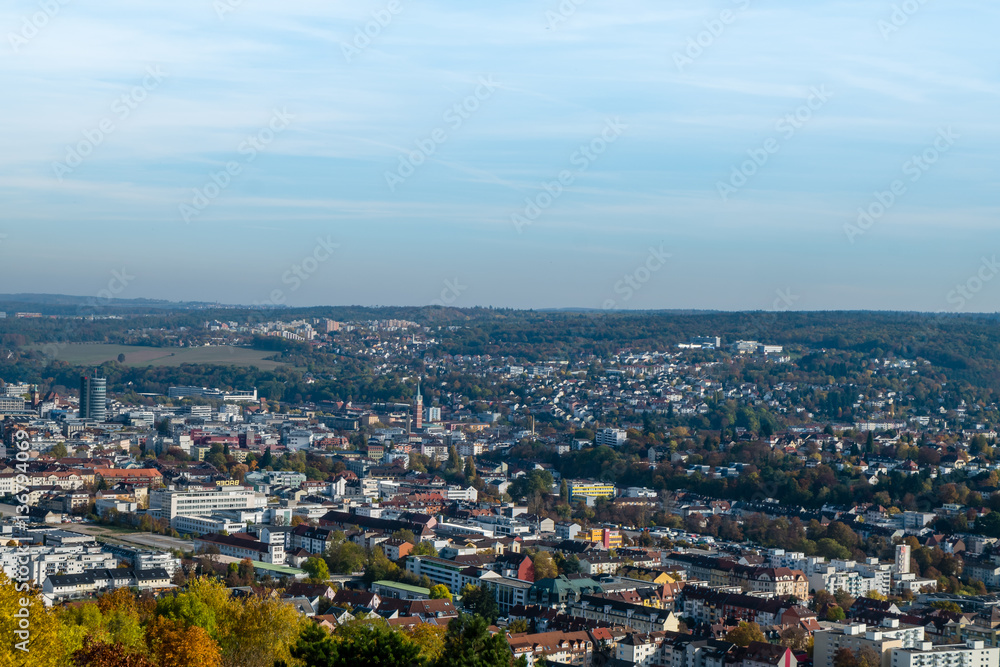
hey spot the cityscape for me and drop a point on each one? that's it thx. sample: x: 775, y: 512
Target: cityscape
x: 404, y: 480
x: 572, y: 333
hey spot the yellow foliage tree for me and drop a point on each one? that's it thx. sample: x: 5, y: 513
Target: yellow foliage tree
x: 430, y: 639
x: 173, y: 645
x: 30, y: 631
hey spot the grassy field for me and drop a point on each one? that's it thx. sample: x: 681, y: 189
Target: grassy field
x: 83, y: 354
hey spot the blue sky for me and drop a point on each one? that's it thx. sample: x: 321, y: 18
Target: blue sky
x: 686, y: 115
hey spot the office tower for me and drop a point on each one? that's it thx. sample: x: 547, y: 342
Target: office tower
x: 93, y: 398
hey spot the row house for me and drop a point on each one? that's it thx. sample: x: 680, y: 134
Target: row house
x: 614, y: 612
x: 564, y: 648
x: 709, y: 606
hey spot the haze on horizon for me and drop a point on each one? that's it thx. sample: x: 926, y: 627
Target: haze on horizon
x: 229, y: 150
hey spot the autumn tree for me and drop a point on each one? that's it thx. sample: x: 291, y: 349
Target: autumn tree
x: 173, y: 645
x: 40, y: 640
x: 845, y: 658
x: 430, y: 639
x: 95, y: 653
x: 545, y: 567
x: 745, y: 633
x: 440, y: 592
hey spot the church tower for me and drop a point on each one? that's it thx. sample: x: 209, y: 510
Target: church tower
x: 418, y: 409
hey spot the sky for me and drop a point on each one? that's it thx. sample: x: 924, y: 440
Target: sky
x: 607, y: 154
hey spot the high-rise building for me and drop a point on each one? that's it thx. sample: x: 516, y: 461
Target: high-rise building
x: 902, y: 559
x: 418, y: 409
x: 93, y: 398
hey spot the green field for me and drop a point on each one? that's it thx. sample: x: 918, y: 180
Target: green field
x: 83, y: 354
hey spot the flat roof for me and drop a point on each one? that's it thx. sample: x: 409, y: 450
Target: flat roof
x: 403, y: 587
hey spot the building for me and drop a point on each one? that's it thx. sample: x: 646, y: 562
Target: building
x: 856, y: 636
x: 903, y: 559
x: 418, y: 409
x: 199, y: 525
x: 611, y: 437
x: 971, y: 654
x: 394, y: 590
x: 242, y: 545
x: 567, y: 530
x: 68, y: 586
x: 93, y: 398
x: 610, y: 539
x: 170, y: 504
x: 614, y: 612
x: 585, y: 489
x: 563, y: 648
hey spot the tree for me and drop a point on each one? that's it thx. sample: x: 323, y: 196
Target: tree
x: 59, y: 451
x: 40, y: 639
x: 440, y: 592
x: 94, y: 653
x: 361, y: 645
x: 795, y: 638
x: 345, y: 557
x: 480, y: 601
x: 406, y: 535
x: 468, y: 643
x: 316, y: 568
x: 844, y: 658
x: 518, y: 626
x: 174, y: 645
x: 424, y: 549
x: 745, y: 633
x: 430, y: 639
x: 875, y: 595
x: 835, y: 614
x: 844, y: 599
x: 946, y: 605
x: 545, y: 567
x: 869, y: 657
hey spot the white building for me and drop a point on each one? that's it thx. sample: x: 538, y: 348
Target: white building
x: 970, y: 654
x: 298, y: 439
x: 44, y: 562
x: 200, y: 525
x: 611, y: 437
x: 170, y: 504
